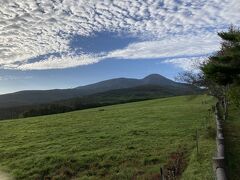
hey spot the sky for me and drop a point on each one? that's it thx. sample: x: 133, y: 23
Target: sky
x: 49, y: 44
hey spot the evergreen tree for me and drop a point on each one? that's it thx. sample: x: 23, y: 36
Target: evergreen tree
x: 223, y: 68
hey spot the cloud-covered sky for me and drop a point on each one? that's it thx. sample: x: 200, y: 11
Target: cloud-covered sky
x: 59, y: 34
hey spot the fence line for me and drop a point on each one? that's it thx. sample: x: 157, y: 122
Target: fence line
x: 219, y: 160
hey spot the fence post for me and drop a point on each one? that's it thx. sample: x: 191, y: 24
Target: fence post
x: 161, y: 173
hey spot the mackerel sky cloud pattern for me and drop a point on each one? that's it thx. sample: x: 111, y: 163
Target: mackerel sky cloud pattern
x: 175, y: 29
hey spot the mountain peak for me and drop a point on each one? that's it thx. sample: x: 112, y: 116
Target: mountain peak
x: 157, y: 79
x: 154, y: 76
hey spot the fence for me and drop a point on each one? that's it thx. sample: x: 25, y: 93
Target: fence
x: 219, y: 160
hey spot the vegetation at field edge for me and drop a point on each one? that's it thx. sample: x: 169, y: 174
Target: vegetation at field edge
x: 232, y: 141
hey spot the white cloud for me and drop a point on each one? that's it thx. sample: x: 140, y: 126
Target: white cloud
x: 32, y: 28
x: 61, y: 62
x: 187, y: 64
x: 177, y: 47
x: 170, y: 47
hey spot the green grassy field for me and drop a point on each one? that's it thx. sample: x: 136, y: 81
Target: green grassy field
x: 127, y: 141
x: 232, y: 141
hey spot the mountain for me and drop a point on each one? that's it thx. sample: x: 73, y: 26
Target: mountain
x: 26, y: 98
x: 111, y: 97
x: 122, y: 83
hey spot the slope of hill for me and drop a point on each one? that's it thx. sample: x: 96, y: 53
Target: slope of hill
x: 111, y: 97
x: 118, y: 96
x: 128, y: 141
x: 24, y: 98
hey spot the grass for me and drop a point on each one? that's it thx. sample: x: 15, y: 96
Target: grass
x: 232, y: 141
x: 124, y: 141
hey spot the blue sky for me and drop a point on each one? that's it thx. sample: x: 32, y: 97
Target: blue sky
x: 67, y: 43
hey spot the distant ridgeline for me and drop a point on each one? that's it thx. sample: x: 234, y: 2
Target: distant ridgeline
x: 109, y: 92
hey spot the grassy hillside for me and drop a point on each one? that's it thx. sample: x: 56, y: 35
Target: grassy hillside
x: 116, y: 142
x: 232, y: 138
